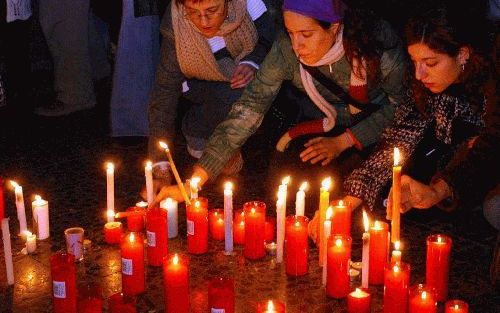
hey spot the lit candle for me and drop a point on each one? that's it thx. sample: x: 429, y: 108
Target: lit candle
x: 63, y: 273
x: 132, y: 252
x: 270, y: 306
x: 456, y: 306
x: 297, y: 248
x: 193, y: 186
x: 110, y: 191
x: 148, y: 173
x: 7, y: 250
x: 221, y: 295
x: 21, y: 213
x: 197, y: 226
x: 228, y: 217
x: 30, y: 242
x: 120, y: 303
x: 239, y: 232
x: 41, y: 217
x: 327, y: 228
x: 396, y: 197
x: 269, y: 228
x: 176, y: 174
x: 112, y: 232
x: 171, y: 206
x: 89, y: 298
x: 422, y: 300
x: 216, y: 224
x: 396, y: 281
x: 341, y: 218
x: 338, y: 256
x: 378, y: 254
x: 157, y: 235
x: 136, y: 222
x: 280, y: 218
x: 176, y: 284
x: 365, y: 258
x: 255, y: 219
x: 324, y: 201
x: 300, y: 200
x: 359, y: 301
x: 438, y: 264
x: 396, y: 253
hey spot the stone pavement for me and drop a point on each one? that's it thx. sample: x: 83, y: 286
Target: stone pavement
x: 63, y: 160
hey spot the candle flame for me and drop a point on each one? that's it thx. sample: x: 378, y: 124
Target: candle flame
x: 341, y: 203
x: 27, y: 233
x: 329, y: 213
x: 141, y: 204
x: 395, y: 268
x: 253, y: 210
x: 377, y: 225
x: 366, y: 221
x: 195, y: 181
x: 285, y: 181
x: 149, y: 165
x: 228, y: 186
x: 397, y: 245
x: 303, y: 186
x: 456, y: 307
x: 110, y: 167
x: 439, y: 239
x: 132, y: 237
x: 197, y: 204
x: 163, y: 145
x: 270, y: 306
x: 38, y: 198
x: 242, y: 223
x: 175, y: 260
x: 338, y: 242
x: 424, y: 295
x: 397, y: 157
x: 14, y: 184
x: 297, y: 224
x: 326, y: 183
x: 110, y: 213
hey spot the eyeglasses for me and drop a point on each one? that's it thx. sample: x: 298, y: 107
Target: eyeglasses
x: 210, y: 13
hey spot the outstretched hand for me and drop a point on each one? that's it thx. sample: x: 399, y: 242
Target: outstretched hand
x: 325, y: 149
x: 243, y: 74
x: 172, y: 191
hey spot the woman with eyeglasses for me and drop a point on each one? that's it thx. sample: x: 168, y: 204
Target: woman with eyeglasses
x: 351, y: 48
x: 211, y: 49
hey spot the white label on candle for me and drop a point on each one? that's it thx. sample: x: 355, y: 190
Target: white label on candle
x: 190, y: 227
x: 127, y: 268
x: 59, y: 289
x: 217, y: 310
x: 151, y: 239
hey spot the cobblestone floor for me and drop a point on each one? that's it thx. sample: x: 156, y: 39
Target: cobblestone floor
x: 62, y: 159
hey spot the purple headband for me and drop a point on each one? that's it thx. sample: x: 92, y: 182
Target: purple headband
x: 323, y: 10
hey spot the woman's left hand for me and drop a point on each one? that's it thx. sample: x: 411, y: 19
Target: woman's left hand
x: 243, y: 74
x: 325, y: 149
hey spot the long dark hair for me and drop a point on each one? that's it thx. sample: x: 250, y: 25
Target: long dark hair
x: 447, y: 31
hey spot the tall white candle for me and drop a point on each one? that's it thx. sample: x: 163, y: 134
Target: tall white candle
x: 280, y: 218
x: 110, y: 191
x: 7, y: 250
x: 365, y: 258
x: 171, y: 206
x: 30, y: 242
x: 193, y: 187
x: 228, y: 217
x: 148, y: 172
x: 21, y: 212
x: 327, y: 229
x: 300, y: 200
x: 40, y: 209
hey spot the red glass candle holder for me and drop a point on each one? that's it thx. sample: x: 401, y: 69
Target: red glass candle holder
x: 270, y: 228
x: 359, y: 301
x: 221, y: 295
x: 176, y: 283
x: 341, y: 218
x: 89, y: 298
x: 422, y: 299
x: 338, y: 255
x: 271, y: 306
x: 396, y: 282
x: 239, y: 232
x: 379, y: 252
x: 255, y: 220
x: 239, y: 215
x: 157, y: 235
x: 63, y: 272
x: 135, y: 222
x: 216, y: 224
x: 113, y: 232
x: 132, y: 252
x: 120, y: 303
x: 197, y: 226
x: 296, y: 245
x: 438, y: 264
x: 456, y: 306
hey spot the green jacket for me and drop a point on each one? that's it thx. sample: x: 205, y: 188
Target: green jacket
x: 281, y: 64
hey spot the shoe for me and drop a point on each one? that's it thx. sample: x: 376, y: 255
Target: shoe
x: 59, y: 108
x: 234, y: 165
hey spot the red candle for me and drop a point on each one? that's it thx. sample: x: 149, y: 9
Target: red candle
x: 338, y: 254
x: 379, y: 238
x: 341, y: 218
x: 422, y: 300
x: 359, y: 301
x: 132, y: 251
x: 270, y: 306
x: 176, y: 283
x: 157, y: 235
x: 270, y: 222
x: 396, y: 281
x: 456, y: 306
x: 255, y: 219
x: 438, y: 264
x: 221, y: 295
x: 239, y: 216
x: 197, y: 226
x: 113, y: 232
x: 216, y: 224
x: 63, y: 272
x: 239, y: 232
x: 296, y: 245
x: 136, y: 222
x: 89, y: 298
x: 119, y: 303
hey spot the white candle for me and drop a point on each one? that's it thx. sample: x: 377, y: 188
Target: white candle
x: 300, y: 200
x: 365, y: 259
x: 148, y: 172
x: 110, y: 191
x: 193, y: 187
x: 228, y: 217
x: 40, y: 209
x: 280, y: 218
x: 171, y: 206
x: 21, y: 212
x: 327, y: 229
x: 324, y: 202
x: 30, y: 242
x: 7, y: 250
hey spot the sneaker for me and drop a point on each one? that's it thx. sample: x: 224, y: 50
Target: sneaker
x: 234, y: 165
x: 59, y: 108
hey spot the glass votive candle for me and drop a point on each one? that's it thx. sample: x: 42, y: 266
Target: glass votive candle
x: 456, y: 306
x: 270, y: 229
x: 221, y: 295
x: 216, y: 224
x: 270, y: 306
x: 63, y: 272
x: 422, y: 299
x: 359, y: 301
x: 74, y: 242
x: 89, y: 298
x: 113, y: 232
x: 119, y: 303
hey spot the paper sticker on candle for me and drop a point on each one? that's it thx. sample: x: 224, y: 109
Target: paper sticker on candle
x: 190, y: 227
x: 151, y: 239
x: 217, y: 310
x: 127, y: 267
x: 59, y: 289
